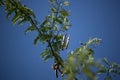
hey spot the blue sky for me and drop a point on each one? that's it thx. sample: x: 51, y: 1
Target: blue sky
x: 20, y: 59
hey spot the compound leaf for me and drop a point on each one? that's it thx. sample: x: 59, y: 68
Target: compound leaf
x: 30, y: 29
x: 36, y: 39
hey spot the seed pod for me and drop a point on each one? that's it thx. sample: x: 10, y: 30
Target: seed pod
x: 63, y: 42
x: 67, y: 42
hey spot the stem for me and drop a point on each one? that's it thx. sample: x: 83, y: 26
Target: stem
x: 56, y: 56
x: 32, y: 22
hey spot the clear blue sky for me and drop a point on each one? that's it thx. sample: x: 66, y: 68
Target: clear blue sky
x: 20, y: 59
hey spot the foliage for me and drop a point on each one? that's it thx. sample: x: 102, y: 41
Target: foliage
x: 53, y: 32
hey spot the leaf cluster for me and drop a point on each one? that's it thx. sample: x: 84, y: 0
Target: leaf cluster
x: 80, y: 61
x: 20, y: 12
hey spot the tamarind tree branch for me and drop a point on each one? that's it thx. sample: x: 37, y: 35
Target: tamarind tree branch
x: 56, y: 55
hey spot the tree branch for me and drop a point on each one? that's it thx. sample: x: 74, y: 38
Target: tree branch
x: 56, y: 56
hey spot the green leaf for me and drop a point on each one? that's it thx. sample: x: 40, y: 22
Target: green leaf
x: 52, y: 16
x: 92, y: 41
x: 9, y: 13
x: 64, y: 13
x: 91, y: 52
x: 30, y: 29
x: 55, y: 28
x: 28, y: 11
x: 36, y: 40
x: 44, y: 22
x: 57, y: 20
x: 15, y: 18
x: 32, y: 13
x: 47, y: 57
x: 22, y: 20
x: 115, y: 65
x: 47, y: 28
x: 65, y: 27
x: 46, y: 52
x: 54, y: 10
x: 101, y: 71
x: 44, y: 38
x: 59, y: 37
x: 106, y: 61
